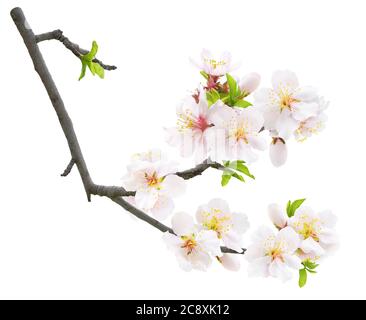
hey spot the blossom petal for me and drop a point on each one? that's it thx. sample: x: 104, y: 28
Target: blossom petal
x: 163, y: 208
x: 306, y: 94
x: 233, y: 240
x: 240, y: 222
x: 278, y: 269
x: 311, y: 246
x: 257, y: 142
x: 286, y: 125
x: 328, y: 218
x: 303, y: 110
x: 284, y: 79
x: 173, y: 186
x: 290, y: 237
x: 293, y: 261
x: 146, y: 198
x: 209, y: 242
x: 183, y: 224
x: 259, y: 267
x: 219, y: 204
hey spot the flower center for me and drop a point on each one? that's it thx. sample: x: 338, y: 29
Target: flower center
x: 276, y: 253
x: 189, y: 244
x: 309, y: 231
x: 188, y: 121
x: 214, y: 63
x: 153, y: 180
x: 275, y: 249
x: 240, y: 134
x: 217, y: 224
x: 286, y: 99
x: 202, y: 123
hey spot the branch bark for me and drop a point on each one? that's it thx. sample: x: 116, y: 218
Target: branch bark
x: 112, y: 192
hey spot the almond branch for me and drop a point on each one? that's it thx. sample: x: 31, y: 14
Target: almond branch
x: 112, y: 192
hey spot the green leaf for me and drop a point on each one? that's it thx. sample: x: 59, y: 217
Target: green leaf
x: 288, y: 206
x: 225, y: 179
x: 98, y: 70
x: 303, y: 277
x: 242, y: 104
x: 83, y: 69
x: 238, y: 176
x: 293, y: 206
x: 87, y: 61
x: 233, y: 88
x: 310, y: 264
x: 92, y: 53
x: 204, y: 74
x: 239, y: 166
x: 228, y: 174
x: 212, y: 96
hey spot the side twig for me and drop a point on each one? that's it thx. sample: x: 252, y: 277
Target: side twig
x: 73, y: 47
x: 68, y: 168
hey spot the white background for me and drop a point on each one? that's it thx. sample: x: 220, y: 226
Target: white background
x: 54, y: 244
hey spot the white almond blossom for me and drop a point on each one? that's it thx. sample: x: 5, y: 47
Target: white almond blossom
x: 229, y: 226
x: 310, y: 126
x: 249, y: 82
x: 236, y: 133
x: 155, y: 184
x: 316, y: 231
x: 193, y: 127
x: 286, y: 105
x: 191, y: 245
x: 215, y: 65
x: 274, y: 254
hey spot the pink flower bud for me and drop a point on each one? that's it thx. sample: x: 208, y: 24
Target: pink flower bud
x: 250, y: 82
x: 278, y: 152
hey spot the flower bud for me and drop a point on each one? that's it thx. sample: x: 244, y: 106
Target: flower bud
x: 250, y: 82
x: 278, y: 152
x: 277, y: 216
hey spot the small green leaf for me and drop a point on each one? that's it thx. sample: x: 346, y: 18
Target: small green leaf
x: 293, y: 206
x: 310, y: 264
x: 303, y: 277
x: 225, y: 179
x: 238, y: 176
x: 239, y: 166
x: 98, y: 70
x: 204, y: 74
x: 83, y: 70
x: 233, y: 88
x: 242, y: 104
x: 288, y: 206
x: 92, y: 53
x: 212, y: 96
x: 87, y: 61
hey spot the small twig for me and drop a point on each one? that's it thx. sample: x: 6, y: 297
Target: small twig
x: 68, y: 168
x: 73, y: 47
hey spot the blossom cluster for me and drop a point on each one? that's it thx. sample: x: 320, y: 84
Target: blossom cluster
x: 218, y: 121
x: 194, y: 244
x: 304, y: 237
